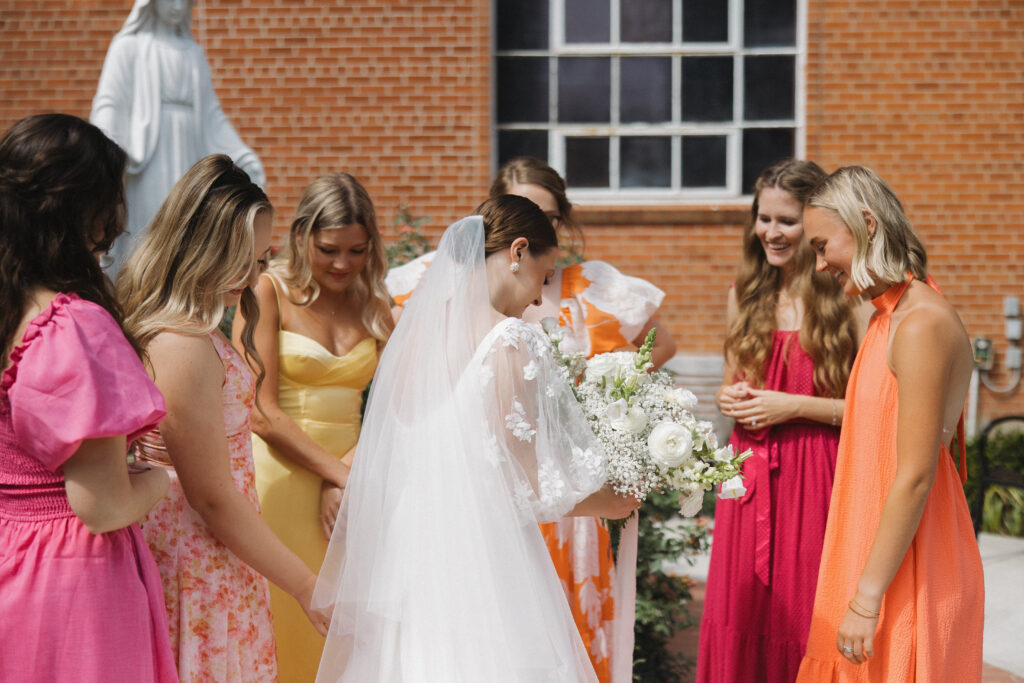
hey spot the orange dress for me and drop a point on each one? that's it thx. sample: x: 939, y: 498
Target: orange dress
x: 602, y: 310
x: 932, y: 615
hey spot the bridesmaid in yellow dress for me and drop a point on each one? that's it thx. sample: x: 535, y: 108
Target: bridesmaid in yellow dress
x: 324, y: 314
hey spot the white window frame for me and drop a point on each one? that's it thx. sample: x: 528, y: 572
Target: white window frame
x: 676, y: 128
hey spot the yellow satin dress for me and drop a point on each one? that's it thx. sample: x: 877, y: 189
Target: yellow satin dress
x: 322, y: 393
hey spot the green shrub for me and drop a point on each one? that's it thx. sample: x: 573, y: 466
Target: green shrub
x: 1003, y: 511
x: 662, y: 599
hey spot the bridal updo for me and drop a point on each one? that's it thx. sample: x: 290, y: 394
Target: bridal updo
x: 508, y: 217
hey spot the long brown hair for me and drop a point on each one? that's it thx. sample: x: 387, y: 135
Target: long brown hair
x: 198, y: 247
x: 61, y: 201
x: 330, y: 202
x: 826, y: 331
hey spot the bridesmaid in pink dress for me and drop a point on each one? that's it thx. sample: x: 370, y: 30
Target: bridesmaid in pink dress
x: 80, y: 596
x: 204, y: 251
x: 790, y: 343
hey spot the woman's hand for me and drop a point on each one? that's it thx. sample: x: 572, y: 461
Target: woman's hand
x: 856, y: 637
x: 763, y: 408
x: 330, y: 504
x: 321, y: 621
x: 607, y: 504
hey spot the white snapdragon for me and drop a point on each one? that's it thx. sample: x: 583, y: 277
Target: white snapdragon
x: 733, y: 488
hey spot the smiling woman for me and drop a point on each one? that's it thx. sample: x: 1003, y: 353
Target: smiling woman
x: 902, y: 594
x: 788, y: 350
x: 324, y: 315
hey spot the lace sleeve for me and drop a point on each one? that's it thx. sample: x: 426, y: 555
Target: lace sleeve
x: 536, y: 428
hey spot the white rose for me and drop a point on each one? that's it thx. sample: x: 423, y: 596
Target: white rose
x: 733, y: 488
x: 625, y: 419
x: 602, y: 365
x: 691, y: 501
x: 684, y: 398
x: 670, y: 444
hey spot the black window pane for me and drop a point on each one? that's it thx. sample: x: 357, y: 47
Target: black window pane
x: 704, y: 161
x: 646, y: 21
x: 522, y: 24
x: 705, y: 21
x: 769, y: 91
x: 586, y: 162
x: 588, y: 21
x: 763, y: 147
x: 646, y: 89
x: 645, y: 162
x: 584, y: 89
x: 707, y: 88
x: 522, y: 89
x: 769, y: 23
x: 522, y: 143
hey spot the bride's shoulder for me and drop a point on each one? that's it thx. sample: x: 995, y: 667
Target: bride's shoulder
x: 515, y: 333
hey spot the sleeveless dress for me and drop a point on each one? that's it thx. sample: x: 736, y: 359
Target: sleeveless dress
x: 74, y: 606
x: 218, y: 607
x: 322, y: 393
x: 767, y: 545
x: 932, y: 615
x: 602, y: 310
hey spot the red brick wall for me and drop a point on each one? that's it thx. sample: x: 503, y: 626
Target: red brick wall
x: 398, y: 93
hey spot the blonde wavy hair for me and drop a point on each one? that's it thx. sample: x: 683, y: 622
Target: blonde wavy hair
x: 198, y: 247
x: 331, y: 202
x: 827, y: 330
x: 885, y: 257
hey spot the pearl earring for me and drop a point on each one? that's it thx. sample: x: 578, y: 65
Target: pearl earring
x: 514, y: 267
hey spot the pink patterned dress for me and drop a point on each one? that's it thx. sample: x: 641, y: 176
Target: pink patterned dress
x: 218, y: 607
x: 767, y: 545
x: 74, y: 606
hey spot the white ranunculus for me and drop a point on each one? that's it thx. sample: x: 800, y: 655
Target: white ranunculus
x: 733, y: 488
x: 684, y: 398
x: 670, y: 444
x: 691, y: 501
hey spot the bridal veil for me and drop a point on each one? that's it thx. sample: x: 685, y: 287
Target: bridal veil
x: 436, y: 571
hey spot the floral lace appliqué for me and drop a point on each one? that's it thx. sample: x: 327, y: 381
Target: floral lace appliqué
x: 530, y: 370
x: 516, y: 421
x: 552, y: 486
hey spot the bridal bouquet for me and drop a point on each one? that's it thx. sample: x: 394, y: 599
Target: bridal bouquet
x: 652, y: 440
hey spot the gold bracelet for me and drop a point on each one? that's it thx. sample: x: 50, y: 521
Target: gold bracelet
x: 834, y: 414
x: 862, y: 611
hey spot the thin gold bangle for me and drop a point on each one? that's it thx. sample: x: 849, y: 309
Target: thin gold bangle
x: 861, y: 611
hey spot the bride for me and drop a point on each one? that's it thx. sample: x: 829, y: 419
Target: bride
x: 437, y: 571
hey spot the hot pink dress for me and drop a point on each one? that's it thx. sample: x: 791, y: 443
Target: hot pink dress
x: 218, y: 607
x: 767, y: 546
x: 74, y: 606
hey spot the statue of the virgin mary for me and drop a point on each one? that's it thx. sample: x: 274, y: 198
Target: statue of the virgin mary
x: 155, y: 99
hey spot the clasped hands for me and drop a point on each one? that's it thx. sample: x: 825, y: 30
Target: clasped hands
x: 754, y: 408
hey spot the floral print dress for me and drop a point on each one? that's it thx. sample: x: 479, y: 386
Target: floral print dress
x: 218, y: 607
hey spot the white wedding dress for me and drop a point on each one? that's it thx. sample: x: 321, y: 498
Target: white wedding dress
x: 437, y: 571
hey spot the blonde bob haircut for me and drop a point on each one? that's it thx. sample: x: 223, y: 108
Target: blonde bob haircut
x: 854, y: 192
x: 198, y: 248
x: 331, y: 202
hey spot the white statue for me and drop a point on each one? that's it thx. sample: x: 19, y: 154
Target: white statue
x: 155, y: 99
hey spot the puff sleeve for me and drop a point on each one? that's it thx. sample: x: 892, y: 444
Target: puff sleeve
x: 75, y: 377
